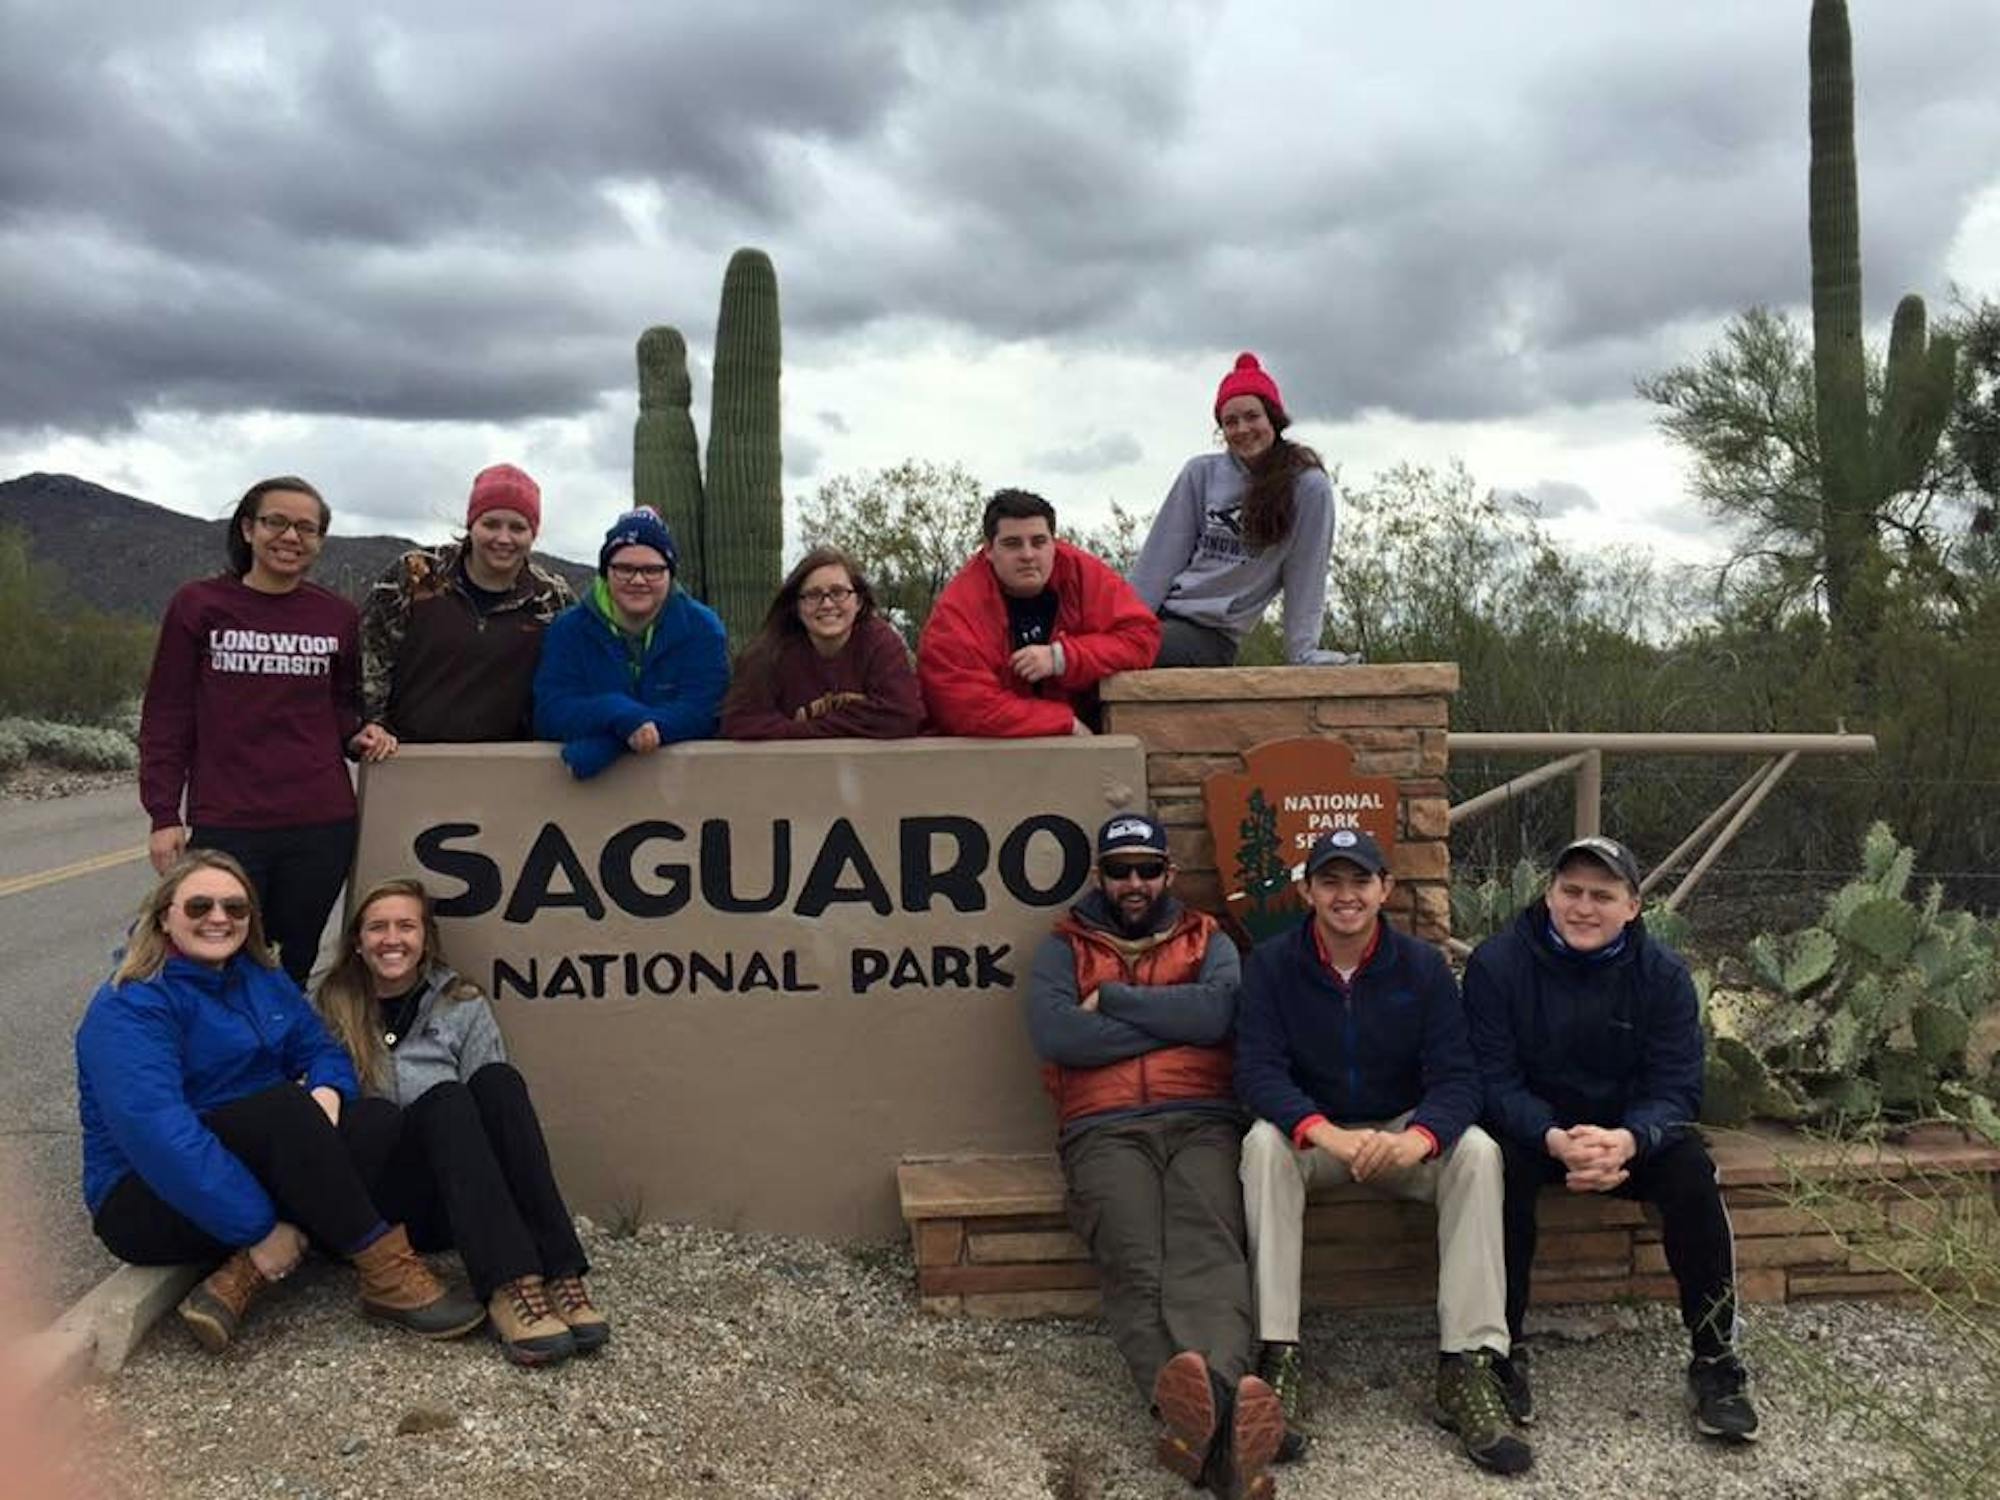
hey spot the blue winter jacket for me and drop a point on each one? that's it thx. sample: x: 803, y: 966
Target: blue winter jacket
x: 591, y: 692
x: 1395, y: 1041
x: 1563, y: 1039
x: 154, y: 1055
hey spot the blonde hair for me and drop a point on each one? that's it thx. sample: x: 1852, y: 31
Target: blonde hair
x: 146, y: 946
x: 346, y: 997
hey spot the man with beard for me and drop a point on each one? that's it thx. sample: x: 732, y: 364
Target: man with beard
x: 1130, y: 1005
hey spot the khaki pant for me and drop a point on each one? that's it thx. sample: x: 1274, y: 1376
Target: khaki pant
x: 1466, y: 1185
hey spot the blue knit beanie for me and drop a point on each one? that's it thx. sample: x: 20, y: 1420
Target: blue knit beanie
x: 639, y: 528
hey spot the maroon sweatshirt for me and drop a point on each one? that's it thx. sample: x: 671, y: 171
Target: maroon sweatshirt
x: 249, y: 708
x: 866, y: 691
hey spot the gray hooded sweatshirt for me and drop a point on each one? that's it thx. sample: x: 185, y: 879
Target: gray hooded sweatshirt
x: 447, y: 1042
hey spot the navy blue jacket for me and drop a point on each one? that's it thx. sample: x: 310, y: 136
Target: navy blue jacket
x: 1564, y: 1041
x: 592, y: 695
x: 154, y: 1055
x: 1396, y: 1041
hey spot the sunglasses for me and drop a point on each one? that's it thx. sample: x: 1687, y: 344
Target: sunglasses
x: 236, y: 908
x: 1141, y: 869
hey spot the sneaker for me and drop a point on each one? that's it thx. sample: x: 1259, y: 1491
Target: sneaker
x: 571, y: 1299
x: 1280, y: 1367
x: 1469, y: 1403
x: 1184, y: 1397
x: 1719, y: 1391
x: 1511, y: 1370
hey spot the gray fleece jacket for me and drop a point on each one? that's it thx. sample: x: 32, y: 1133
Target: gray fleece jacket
x: 447, y: 1042
x: 1195, y: 563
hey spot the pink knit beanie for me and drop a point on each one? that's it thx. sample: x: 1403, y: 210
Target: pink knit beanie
x: 1247, y: 379
x: 504, y: 487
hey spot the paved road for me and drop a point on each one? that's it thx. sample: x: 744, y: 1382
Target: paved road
x: 56, y: 941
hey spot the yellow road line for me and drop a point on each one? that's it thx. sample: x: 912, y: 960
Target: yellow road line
x: 96, y: 862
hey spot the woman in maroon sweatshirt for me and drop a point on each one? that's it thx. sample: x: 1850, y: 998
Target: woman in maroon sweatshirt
x: 825, y: 665
x: 254, y: 695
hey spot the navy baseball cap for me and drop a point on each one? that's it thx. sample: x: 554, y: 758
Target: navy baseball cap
x: 1613, y: 855
x: 1130, y: 833
x: 1350, y: 844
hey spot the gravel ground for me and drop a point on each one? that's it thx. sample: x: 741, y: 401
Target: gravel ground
x: 755, y: 1366
x: 38, y: 783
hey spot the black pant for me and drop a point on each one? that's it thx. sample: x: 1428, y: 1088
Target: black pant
x: 303, y: 1162
x: 298, y: 873
x: 1679, y: 1180
x: 1186, y: 644
x: 466, y: 1166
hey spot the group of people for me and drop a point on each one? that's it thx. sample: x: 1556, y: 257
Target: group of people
x: 1572, y: 1055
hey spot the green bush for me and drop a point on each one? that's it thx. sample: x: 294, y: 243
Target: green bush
x: 73, y: 747
x: 59, y: 659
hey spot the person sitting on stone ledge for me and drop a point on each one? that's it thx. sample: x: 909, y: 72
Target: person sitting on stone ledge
x: 1130, y: 1004
x: 1019, y: 639
x: 636, y: 664
x: 1589, y: 1045
x: 825, y: 665
x: 1351, y: 1050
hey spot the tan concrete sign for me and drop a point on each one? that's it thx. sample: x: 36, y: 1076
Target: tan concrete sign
x: 743, y: 980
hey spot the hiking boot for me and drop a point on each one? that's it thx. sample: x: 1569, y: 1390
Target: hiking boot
x: 587, y: 1326
x: 525, y: 1323
x: 220, y: 1300
x: 1719, y: 1391
x: 1279, y: 1367
x: 1256, y: 1427
x: 1511, y: 1370
x: 1185, y: 1400
x: 397, y: 1287
x: 1469, y: 1403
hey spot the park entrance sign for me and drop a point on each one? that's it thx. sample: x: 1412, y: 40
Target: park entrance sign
x: 742, y: 979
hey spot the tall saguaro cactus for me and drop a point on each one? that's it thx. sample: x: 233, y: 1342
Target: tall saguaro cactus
x: 1863, y: 460
x: 730, y: 527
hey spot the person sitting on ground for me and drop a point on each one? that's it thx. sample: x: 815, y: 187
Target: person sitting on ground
x: 462, y: 1162
x: 1235, y: 529
x: 1589, y: 1044
x: 214, y: 1104
x: 1130, y: 1004
x: 825, y: 665
x: 635, y: 665
x: 450, y: 635
x: 1351, y: 1050
x: 1019, y: 639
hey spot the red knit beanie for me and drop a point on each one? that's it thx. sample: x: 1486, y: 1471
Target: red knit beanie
x: 504, y: 487
x: 1247, y: 379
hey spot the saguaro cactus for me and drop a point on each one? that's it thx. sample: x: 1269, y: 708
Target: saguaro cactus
x: 1863, y: 461
x: 666, y: 464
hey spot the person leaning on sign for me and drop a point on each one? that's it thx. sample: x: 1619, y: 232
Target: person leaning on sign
x: 1351, y: 1050
x: 1129, y: 1005
x: 636, y: 664
x: 450, y: 635
x: 453, y: 1147
x: 1019, y: 639
x: 1589, y: 1043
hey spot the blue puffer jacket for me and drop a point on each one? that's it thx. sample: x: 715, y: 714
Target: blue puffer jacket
x: 1570, y: 1039
x: 592, y: 689
x: 154, y: 1055
x: 1395, y: 1041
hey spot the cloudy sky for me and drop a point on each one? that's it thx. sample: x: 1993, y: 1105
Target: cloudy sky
x: 383, y: 245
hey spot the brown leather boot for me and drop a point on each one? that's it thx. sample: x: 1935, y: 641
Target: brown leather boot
x: 526, y: 1325
x: 220, y: 1300
x: 572, y: 1303
x: 397, y: 1287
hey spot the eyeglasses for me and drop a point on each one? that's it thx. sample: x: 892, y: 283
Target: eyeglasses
x: 236, y: 908
x: 309, y: 531
x: 814, y: 598
x: 1143, y: 869
x: 637, y: 572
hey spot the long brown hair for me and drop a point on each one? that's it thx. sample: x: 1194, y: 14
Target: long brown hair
x: 781, y: 620
x: 1267, y: 505
x: 346, y: 997
x: 147, y: 948
x: 237, y: 545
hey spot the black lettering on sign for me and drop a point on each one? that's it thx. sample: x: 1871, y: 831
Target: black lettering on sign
x: 534, y: 892
x: 597, y: 963
x: 617, y: 871
x: 505, y: 974
x: 866, y: 965
x: 757, y: 975
x: 952, y: 966
x: 722, y: 975
x: 957, y: 881
x: 843, y: 847
x: 909, y: 970
x: 990, y: 972
x: 1075, y: 845
x: 716, y: 883
x: 793, y: 984
x: 668, y: 963
x: 480, y: 874
x: 565, y: 983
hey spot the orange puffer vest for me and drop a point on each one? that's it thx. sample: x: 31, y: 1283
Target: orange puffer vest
x: 1173, y: 1072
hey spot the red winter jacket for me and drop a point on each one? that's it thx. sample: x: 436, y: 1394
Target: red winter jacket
x: 963, y: 654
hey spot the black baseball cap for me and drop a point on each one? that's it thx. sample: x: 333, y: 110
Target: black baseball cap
x: 1130, y: 833
x: 1613, y: 855
x: 1350, y: 844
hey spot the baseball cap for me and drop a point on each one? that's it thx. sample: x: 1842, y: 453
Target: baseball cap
x: 1613, y: 855
x: 1131, y: 833
x: 1350, y: 844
